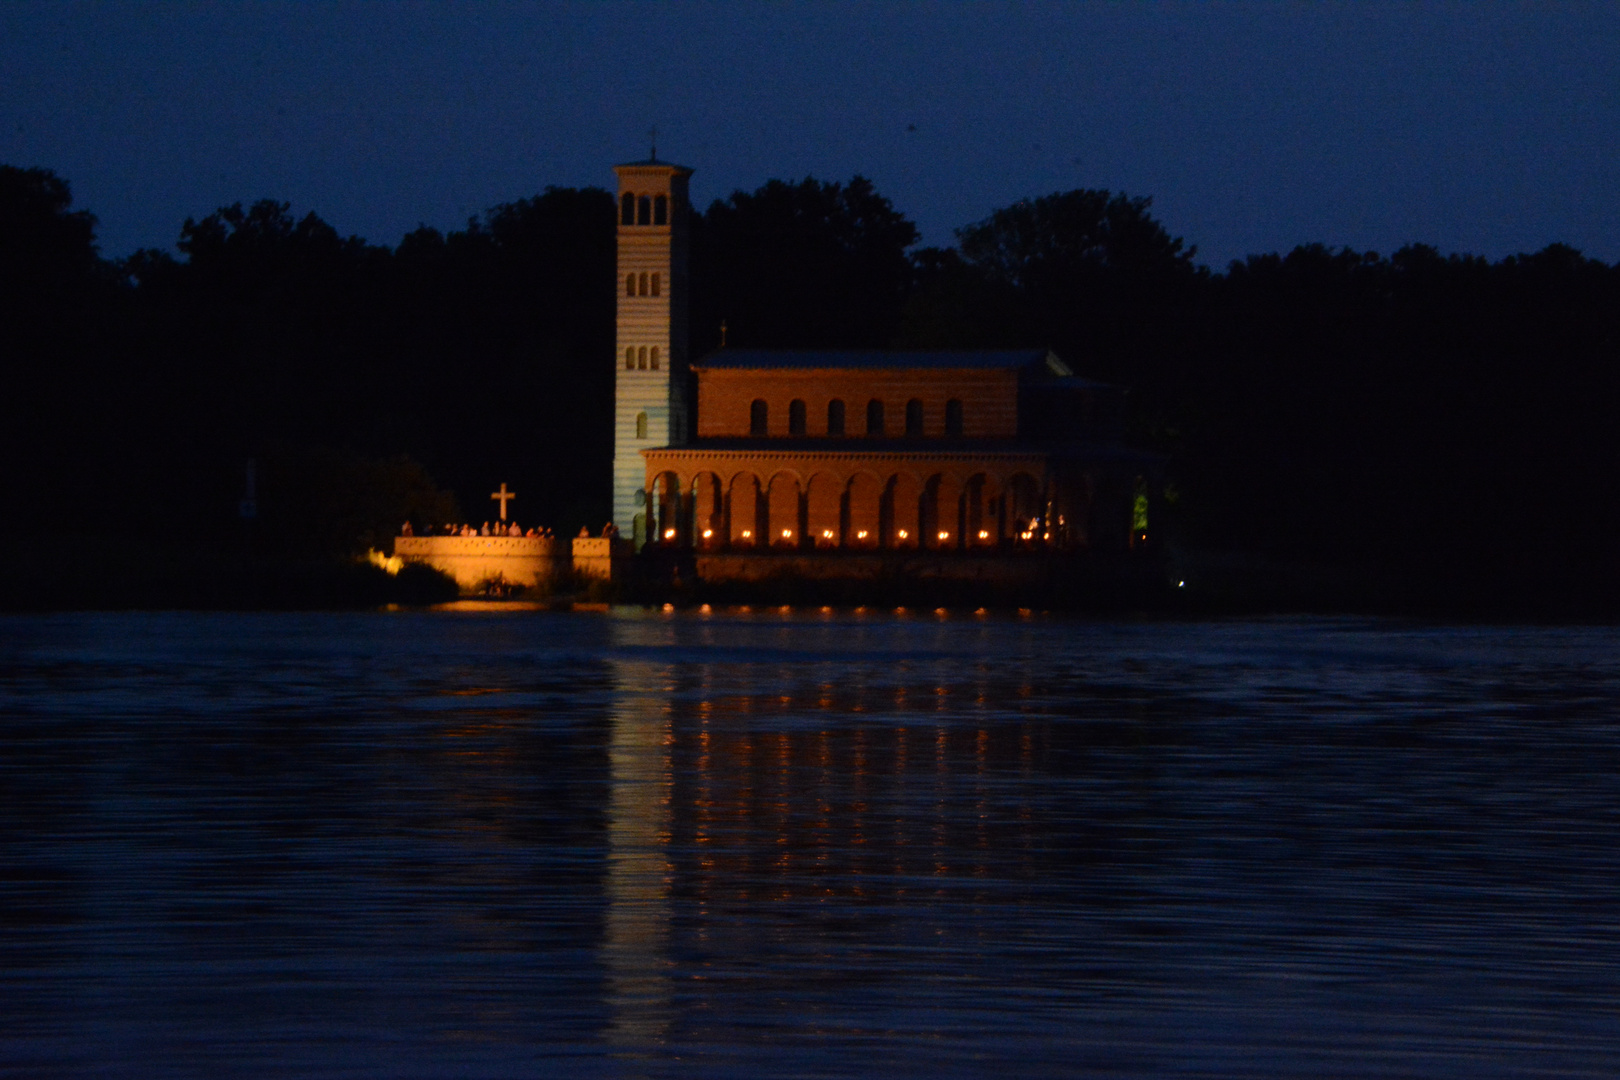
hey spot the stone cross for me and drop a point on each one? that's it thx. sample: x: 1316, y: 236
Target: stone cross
x: 502, y: 496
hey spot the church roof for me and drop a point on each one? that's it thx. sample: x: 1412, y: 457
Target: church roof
x: 874, y: 359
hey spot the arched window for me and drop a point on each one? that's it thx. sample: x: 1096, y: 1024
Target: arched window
x: 835, y: 417
x: 641, y: 358
x: 874, y: 417
x: 629, y: 284
x: 644, y: 211
x: 796, y: 417
x: 914, y: 417
x: 627, y: 209
x: 630, y: 358
x: 660, y: 210
x: 654, y: 359
x: 641, y: 425
x: 953, y: 417
x: 655, y: 283
x: 757, y: 416
x: 641, y: 286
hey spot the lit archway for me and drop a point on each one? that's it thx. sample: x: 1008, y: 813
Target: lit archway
x: 745, y: 511
x: 864, y: 528
x: 902, y: 503
x: 708, y: 511
x: 785, y: 528
x: 1023, y: 508
x: 824, y: 504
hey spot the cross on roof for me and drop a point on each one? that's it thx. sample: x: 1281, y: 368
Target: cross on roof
x: 502, y: 496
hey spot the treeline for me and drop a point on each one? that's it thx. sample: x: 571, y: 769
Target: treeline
x: 1417, y: 431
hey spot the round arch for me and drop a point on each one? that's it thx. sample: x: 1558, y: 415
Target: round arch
x: 785, y: 509
x: 1023, y: 504
x: 863, y: 502
x: 902, y: 506
x: 982, y: 518
x: 708, y: 511
x: 745, y: 510
x: 665, y: 496
x: 824, y: 509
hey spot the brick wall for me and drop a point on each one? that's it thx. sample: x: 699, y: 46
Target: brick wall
x: 989, y: 400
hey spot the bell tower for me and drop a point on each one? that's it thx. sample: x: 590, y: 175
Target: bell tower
x: 650, y: 406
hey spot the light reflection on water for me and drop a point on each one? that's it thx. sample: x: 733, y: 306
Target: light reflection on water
x: 808, y: 842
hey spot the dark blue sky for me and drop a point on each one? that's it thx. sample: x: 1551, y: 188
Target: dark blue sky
x: 1474, y: 127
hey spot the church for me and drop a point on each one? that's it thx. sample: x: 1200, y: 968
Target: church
x: 752, y: 463
x: 772, y: 452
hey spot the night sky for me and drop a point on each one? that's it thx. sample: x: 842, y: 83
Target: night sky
x: 1483, y: 128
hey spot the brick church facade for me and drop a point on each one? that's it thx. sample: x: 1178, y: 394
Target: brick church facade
x: 764, y: 451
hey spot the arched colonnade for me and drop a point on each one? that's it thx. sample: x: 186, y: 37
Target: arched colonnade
x: 848, y: 506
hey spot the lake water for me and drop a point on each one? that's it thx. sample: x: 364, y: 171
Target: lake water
x: 509, y: 843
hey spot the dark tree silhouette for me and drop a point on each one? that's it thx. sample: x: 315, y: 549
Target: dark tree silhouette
x: 805, y: 265
x: 1054, y: 241
x: 1434, y: 432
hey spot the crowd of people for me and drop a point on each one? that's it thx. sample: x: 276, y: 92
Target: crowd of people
x: 499, y: 528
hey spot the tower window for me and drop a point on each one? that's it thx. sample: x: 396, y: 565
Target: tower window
x: 757, y: 417
x: 655, y: 284
x: 874, y: 417
x: 627, y: 209
x: 953, y: 416
x: 641, y: 358
x: 835, y: 417
x: 653, y: 361
x: 660, y: 210
x: 629, y: 284
x: 641, y: 286
x: 796, y: 417
x: 914, y: 417
x: 630, y: 358
x: 644, y: 211
x: 641, y: 425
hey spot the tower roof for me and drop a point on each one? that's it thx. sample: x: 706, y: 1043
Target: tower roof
x: 653, y: 165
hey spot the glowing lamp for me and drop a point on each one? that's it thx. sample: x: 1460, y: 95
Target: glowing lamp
x: 861, y: 535
x: 902, y: 534
x: 669, y: 534
x: 943, y: 535
x: 786, y: 533
x: 747, y: 535
x: 826, y: 534
x: 984, y: 534
x: 707, y: 533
